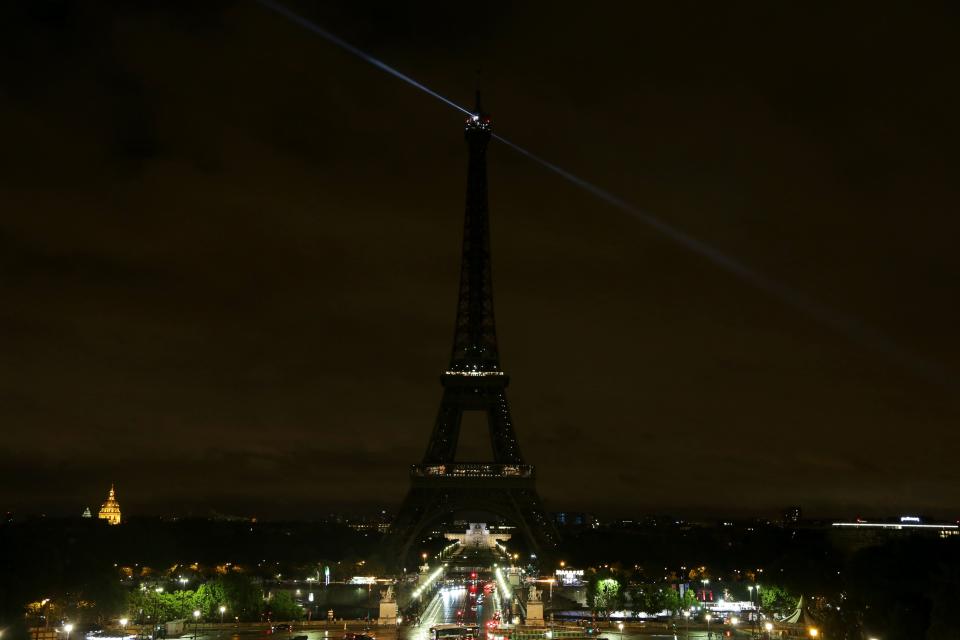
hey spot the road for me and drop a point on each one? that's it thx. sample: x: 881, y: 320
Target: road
x: 439, y: 613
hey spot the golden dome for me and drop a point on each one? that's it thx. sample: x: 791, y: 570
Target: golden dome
x: 110, y: 511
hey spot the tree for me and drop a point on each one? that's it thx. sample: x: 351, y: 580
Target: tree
x: 282, y: 606
x: 208, y: 599
x: 776, y: 598
x: 244, y: 599
x: 605, y: 596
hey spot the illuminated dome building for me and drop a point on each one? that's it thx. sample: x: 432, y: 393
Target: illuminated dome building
x: 110, y: 511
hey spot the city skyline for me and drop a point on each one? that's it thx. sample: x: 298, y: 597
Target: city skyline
x: 233, y: 279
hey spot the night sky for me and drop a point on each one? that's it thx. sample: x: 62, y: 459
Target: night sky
x: 229, y: 252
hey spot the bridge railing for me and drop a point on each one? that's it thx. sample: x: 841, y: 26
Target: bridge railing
x: 471, y: 470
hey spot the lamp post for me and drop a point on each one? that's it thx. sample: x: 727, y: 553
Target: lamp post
x: 708, y: 617
x: 123, y: 626
x: 814, y: 632
x: 768, y: 627
x: 156, y: 612
x: 620, y: 627
x: 196, y: 623
x: 686, y: 615
x: 183, y: 596
x: 68, y: 628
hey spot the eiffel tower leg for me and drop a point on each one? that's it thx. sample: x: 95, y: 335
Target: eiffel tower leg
x: 425, y: 506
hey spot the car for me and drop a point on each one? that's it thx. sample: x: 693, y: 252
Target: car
x: 283, y: 626
x: 300, y: 637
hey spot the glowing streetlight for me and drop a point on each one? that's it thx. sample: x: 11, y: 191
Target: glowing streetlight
x: 708, y: 618
x: 67, y: 628
x: 223, y: 610
x: 814, y: 632
x: 768, y: 626
x: 196, y: 623
x: 123, y: 626
x: 620, y: 626
x: 734, y: 621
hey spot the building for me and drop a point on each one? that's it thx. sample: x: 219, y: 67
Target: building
x: 792, y: 515
x: 479, y: 536
x: 570, y: 519
x: 864, y: 533
x: 110, y: 511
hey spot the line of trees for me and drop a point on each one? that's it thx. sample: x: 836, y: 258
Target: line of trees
x: 242, y: 599
x: 609, y: 591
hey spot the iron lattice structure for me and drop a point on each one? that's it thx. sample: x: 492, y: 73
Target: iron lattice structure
x: 474, y: 381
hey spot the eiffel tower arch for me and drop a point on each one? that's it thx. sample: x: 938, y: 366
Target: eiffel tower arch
x: 474, y: 381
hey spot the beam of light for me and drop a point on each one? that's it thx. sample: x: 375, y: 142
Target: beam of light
x: 343, y: 44
x: 837, y: 320
x: 841, y: 322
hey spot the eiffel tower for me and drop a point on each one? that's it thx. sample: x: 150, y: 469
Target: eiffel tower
x: 474, y: 381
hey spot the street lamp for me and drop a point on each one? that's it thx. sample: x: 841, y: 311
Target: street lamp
x: 814, y: 632
x: 68, y: 628
x: 196, y: 623
x: 123, y: 626
x: 708, y: 617
x: 223, y: 610
x: 183, y: 596
x: 686, y: 615
x: 620, y: 627
x: 768, y: 626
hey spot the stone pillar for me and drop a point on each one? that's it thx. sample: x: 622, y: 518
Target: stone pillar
x: 535, y: 613
x: 534, y: 607
x: 388, y: 614
x: 388, y: 609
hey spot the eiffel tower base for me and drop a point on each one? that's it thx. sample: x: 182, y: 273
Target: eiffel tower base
x: 432, y: 503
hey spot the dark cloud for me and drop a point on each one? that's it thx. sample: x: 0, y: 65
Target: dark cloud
x: 229, y: 251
